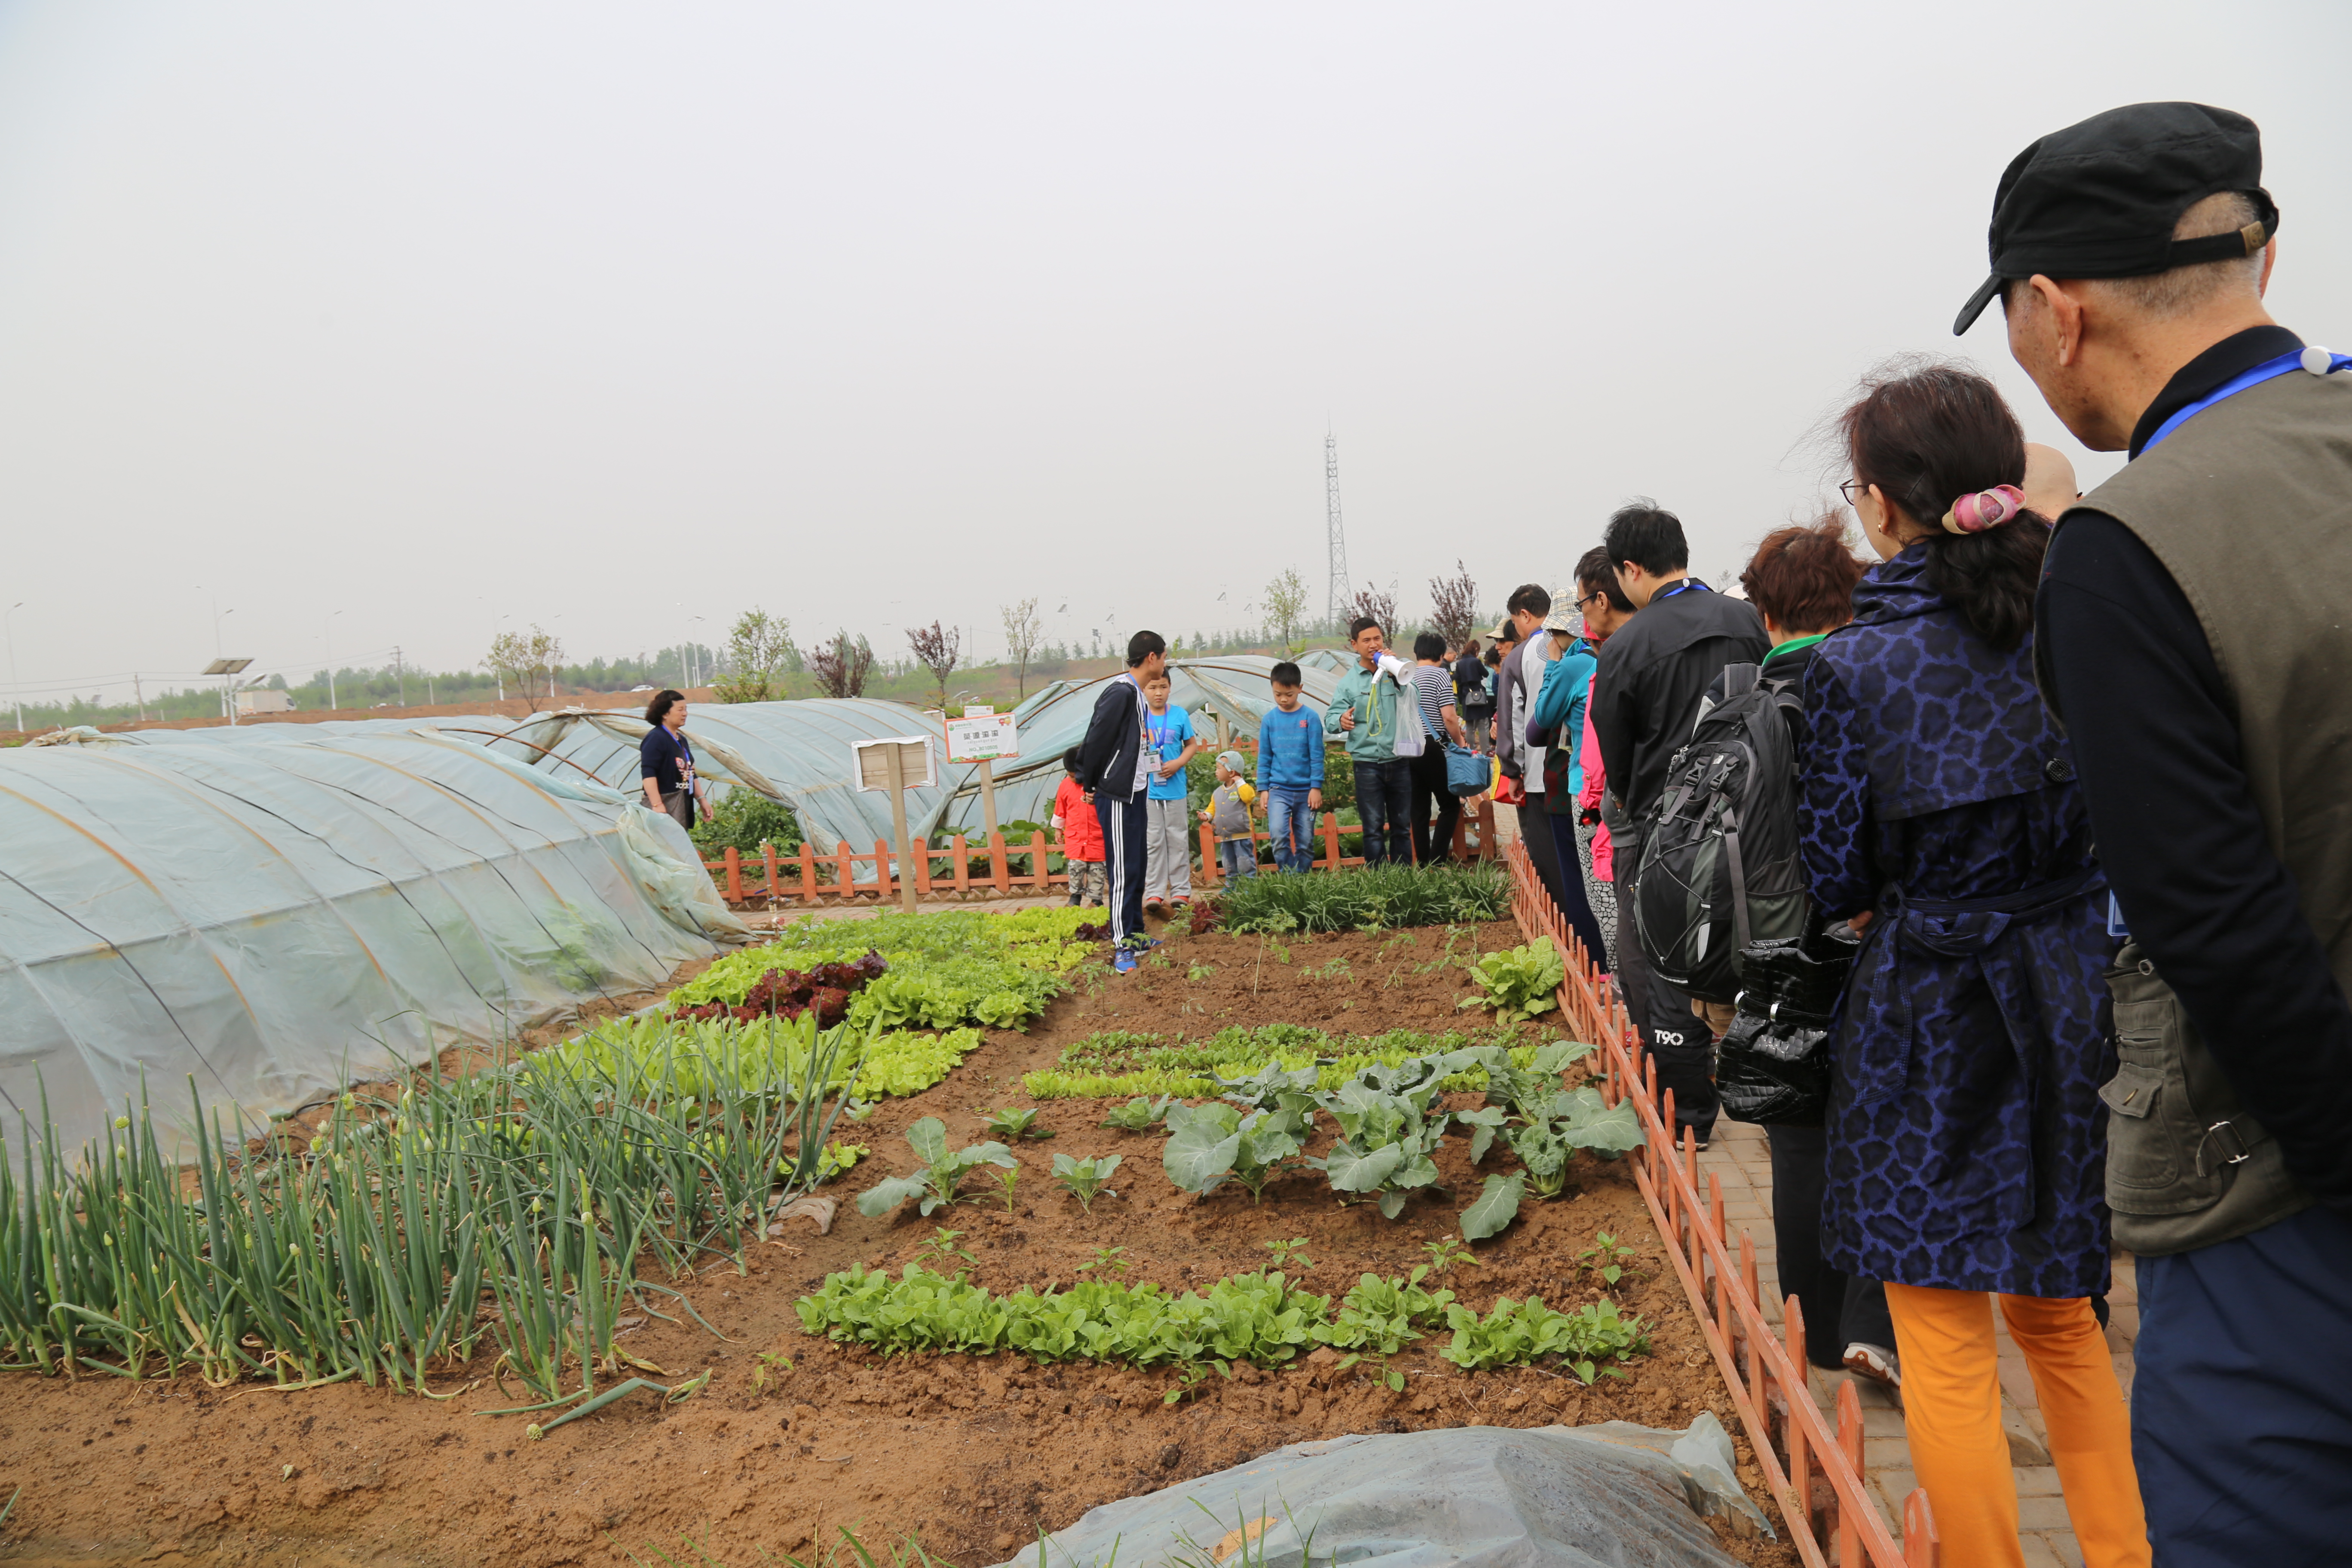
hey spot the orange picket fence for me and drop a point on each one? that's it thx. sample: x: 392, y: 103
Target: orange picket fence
x: 1813, y: 1472
x: 1011, y: 871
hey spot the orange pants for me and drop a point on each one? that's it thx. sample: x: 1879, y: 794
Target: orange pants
x: 1951, y: 1414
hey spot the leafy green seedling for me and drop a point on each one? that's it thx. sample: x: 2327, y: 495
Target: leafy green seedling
x: 1192, y: 1374
x: 765, y: 1363
x: 942, y: 1172
x: 1009, y: 1180
x: 1601, y: 1258
x: 1200, y: 972
x: 941, y: 1246
x: 1084, y: 1179
x: 1381, y: 1369
x: 1109, y: 1263
x: 1140, y: 1113
x: 1012, y: 1126
x: 1445, y: 1254
x: 1287, y: 1253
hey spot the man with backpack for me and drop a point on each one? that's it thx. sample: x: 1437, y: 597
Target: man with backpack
x: 1652, y: 677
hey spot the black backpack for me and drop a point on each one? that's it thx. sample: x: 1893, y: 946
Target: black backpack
x: 1719, y: 866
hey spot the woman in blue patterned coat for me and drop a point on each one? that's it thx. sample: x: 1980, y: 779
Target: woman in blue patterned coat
x: 1938, y: 810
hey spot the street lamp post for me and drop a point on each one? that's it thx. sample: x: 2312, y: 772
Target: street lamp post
x: 326, y: 636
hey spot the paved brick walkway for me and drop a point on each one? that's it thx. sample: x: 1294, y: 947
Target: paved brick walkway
x: 1739, y: 1156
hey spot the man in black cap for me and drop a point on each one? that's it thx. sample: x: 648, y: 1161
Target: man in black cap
x: 2192, y: 632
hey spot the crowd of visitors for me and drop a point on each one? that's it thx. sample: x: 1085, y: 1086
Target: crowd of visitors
x: 2065, y: 795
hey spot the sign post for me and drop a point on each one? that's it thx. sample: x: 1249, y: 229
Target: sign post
x: 897, y: 764
x: 985, y: 736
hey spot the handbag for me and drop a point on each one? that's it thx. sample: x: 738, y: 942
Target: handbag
x: 1773, y: 1064
x: 1465, y: 770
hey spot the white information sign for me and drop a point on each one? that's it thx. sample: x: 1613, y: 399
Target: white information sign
x: 982, y: 737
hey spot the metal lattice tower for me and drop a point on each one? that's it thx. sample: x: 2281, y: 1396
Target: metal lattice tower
x: 1336, y: 609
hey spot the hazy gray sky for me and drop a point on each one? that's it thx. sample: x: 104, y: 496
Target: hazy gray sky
x: 429, y: 313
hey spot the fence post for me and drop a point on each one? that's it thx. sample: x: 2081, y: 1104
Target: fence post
x: 997, y: 869
x: 1849, y: 1438
x: 1037, y: 862
x: 734, y: 875
x: 848, y: 871
x: 1922, y: 1546
x: 922, y: 853
x: 1793, y: 1430
x: 808, y: 872
x: 962, y: 864
x: 1210, y: 864
x: 767, y: 854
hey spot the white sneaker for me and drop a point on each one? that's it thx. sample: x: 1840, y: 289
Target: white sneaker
x: 1874, y: 1362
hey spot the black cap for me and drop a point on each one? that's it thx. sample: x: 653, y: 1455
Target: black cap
x: 2100, y: 199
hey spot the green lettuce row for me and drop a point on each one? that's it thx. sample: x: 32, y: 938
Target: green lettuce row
x: 703, y: 1057
x: 946, y: 969
x: 1256, y: 1318
x: 1331, y: 1074
x: 1122, y: 1051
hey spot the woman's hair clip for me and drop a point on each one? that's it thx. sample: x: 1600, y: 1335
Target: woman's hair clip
x: 1985, y: 509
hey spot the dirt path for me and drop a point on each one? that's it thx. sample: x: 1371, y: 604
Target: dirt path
x: 976, y: 1454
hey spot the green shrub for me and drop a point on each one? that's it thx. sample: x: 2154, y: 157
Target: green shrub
x: 744, y: 820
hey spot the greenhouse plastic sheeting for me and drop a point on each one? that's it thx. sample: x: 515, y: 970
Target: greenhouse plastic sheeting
x: 798, y: 753
x: 1609, y: 1495
x: 1238, y: 686
x: 276, y: 921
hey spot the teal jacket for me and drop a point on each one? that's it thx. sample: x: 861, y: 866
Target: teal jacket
x: 1374, y: 702
x: 1559, y: 706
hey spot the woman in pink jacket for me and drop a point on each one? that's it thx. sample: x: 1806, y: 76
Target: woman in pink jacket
x: 1605, y: 607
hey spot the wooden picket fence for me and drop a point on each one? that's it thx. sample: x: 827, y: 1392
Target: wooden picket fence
x: 1013, y: 869
x: 1813, y: 1473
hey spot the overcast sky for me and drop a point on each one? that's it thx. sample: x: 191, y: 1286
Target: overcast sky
x: 431, y: 313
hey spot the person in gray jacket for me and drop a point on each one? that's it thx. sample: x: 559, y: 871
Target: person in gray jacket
x: 1525, y: 611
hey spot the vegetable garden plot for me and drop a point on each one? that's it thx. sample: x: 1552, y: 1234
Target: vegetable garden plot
x: 796, y: 1433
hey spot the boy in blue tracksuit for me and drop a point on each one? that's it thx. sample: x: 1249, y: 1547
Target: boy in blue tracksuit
x: 1290, y: 770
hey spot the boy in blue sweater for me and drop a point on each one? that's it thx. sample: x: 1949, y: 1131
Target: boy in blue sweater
x: 1290, y: 770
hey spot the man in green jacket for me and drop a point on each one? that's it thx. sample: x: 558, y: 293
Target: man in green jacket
x: 1364, y: 712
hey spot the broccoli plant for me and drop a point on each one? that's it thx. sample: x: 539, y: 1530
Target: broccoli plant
x: 1139, y: 1114
x: 943, y: 1172
x: 1209, y: 1143
x: 1565, y: 1121
x: 1013, y: 1126
x: 1084, y: 1179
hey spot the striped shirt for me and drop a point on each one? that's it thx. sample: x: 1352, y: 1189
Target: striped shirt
x: 1433, y: 684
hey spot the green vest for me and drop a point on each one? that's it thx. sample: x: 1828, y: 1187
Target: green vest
x: 2249, y: 507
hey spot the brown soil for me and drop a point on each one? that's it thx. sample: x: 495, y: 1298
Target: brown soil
x: 976, y: 1454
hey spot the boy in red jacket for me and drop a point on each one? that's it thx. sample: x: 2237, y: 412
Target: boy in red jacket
x: 1082, y: 840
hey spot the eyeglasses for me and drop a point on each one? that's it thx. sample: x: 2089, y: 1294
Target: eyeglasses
x: 1588, y: 599
x: 1853, y: 490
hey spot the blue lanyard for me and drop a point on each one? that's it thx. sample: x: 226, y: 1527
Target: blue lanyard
x: 2269, y: 370
x: 1688, y: 584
